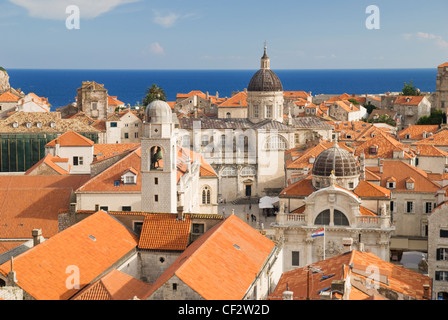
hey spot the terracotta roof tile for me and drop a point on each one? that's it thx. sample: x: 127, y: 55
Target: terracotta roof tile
x: 8, y: 97
x: 29, y: 202
x: 415, y: 132
x: 386, y: 147
x: 93, y: 245
x: 113, y: 101
x: 50, y: 161
x: 102, y: 151
x: 427, y: 150
x: 399, y: 279
x: 223, y: 263
x: 409, y: 100
x: 165, y: 232
x: 239, y: 100
x: 71, y: 139
x: 438, y: 139
x: 115, y: 285
x: 366, y: 189
x: 302, y: 188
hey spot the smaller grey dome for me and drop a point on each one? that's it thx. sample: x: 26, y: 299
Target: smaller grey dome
x: 265, y: 80
x: 335, y: 158
x: 159, y: 112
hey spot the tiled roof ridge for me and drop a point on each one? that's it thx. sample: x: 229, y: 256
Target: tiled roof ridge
x: 110, y: 168
x: 420, y: 172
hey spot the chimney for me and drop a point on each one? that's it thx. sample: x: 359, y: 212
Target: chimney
x: 426, y: 292
x: 56, y: 148
x: 11, y: 279
x: 206, y: 95
x: 347, y: 243
x: 180, y: 213
x: 287, y: 295
x: 325, y: 295
x: 217, y: 95
x: 37, y: 234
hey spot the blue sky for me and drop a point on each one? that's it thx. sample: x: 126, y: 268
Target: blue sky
x: 209, y: 34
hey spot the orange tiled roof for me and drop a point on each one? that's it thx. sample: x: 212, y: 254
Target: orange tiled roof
x: 71, y: 139
x: 165, y: 232
x: 239, y: 100
x: 386, y: 147
x: 29, y: 202
x: 115, y: 285
x: 399, y: 279
x: 50, y: 161
x: 427, y: 150
x: 105, y: 181
x: 102, y: 151
x: 409, y: 100
x: 9, y: 245
x: 223, y: 263
x: 438, y: 139
x: 8, y: 97
x: 366, y: 189
x: 416, y: 131
x: 296, y: 94
x: 443, y: 65
x: 113, y: 101
x: 399, y: 171
x: 302, y: 188
x: 93, y: 245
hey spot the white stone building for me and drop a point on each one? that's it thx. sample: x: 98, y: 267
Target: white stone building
x: 352, y: 211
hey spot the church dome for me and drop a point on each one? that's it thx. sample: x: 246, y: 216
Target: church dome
x: 159, y: 112
x: 265, y: 80
x: 335, y: 158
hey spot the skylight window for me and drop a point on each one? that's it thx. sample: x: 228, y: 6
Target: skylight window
x: 92, y: 237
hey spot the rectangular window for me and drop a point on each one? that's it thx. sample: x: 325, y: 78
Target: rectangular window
x: 156, y: 181
x: 136, y: 135
x: 136, y: 124
x: 442, y: 254
x: 255, y: 111
x: 78, y: 161
x: 443, y: 233
x: 409, y: 207
x: 429, y: 206
x: 156, y: 198
x: 198, y: 228
x: 130, y: 179
x: 392, y: 206
x: 126, y: 208
x: 442, y: 275
x: 126, y: 135
x: 113, y: 124
x: 295, y: 258
x: 94, y: 105
x: 138, y: 227
x: 268, y: 111
x: 104, y: 208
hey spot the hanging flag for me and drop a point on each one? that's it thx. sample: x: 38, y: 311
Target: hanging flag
x: 318, y: 233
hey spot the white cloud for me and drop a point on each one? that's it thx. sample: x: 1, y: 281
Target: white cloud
x: 438, y: 40
x: 166, y: 21
x: 56, y: 9
x: 156, y: 48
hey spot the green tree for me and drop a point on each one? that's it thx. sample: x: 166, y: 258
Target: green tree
x: 383, y: 119
x: 410, y: 90
x: 2, y: 69
x: 353, y: 101
x: 153, y: 93
x: 369, y: 107
x: 436, y: 117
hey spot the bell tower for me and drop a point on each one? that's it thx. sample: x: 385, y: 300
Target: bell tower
x: 159, y: 159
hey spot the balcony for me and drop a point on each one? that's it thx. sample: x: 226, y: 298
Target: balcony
x: 368, y: 222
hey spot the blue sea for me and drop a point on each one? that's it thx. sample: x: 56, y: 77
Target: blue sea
x: 59, y: 86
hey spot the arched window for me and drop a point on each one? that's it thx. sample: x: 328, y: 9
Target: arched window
x: 248, y: 171
x: 156, y: 158
x: 323, y: 218
x: 275, y: 143
x: 228, y: 115
x: 206, y: 195
x: 340, y: 219
x: 229, y: 172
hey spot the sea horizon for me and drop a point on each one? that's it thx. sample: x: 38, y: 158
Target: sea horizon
x: 129, y: 85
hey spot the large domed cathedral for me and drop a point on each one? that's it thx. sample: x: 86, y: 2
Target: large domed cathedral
x: 335, y: 198
x: 265, y: 94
